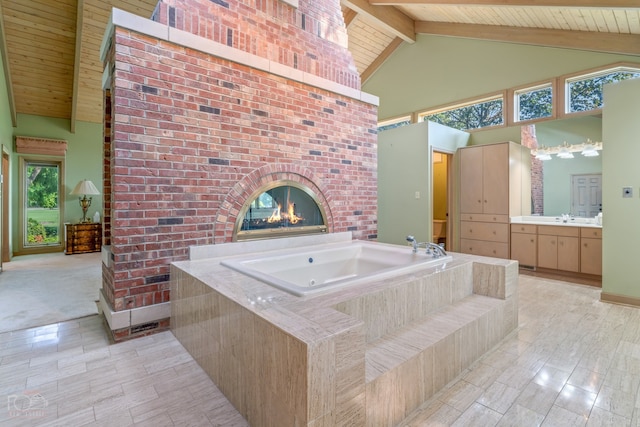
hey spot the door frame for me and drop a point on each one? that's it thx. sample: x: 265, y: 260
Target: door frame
x: 25, y: 250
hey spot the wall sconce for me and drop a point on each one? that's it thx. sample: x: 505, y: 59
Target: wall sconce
x: 565, y: 151
x: 83, y: 188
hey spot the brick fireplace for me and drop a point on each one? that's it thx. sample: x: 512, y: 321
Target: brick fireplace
x: 208, y: 102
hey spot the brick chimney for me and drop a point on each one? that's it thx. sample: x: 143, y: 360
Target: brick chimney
x: 208, y: 101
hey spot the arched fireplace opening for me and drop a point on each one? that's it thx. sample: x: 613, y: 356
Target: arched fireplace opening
x: 280, y: 209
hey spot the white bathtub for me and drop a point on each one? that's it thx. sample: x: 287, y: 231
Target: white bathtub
x: 309, y: 270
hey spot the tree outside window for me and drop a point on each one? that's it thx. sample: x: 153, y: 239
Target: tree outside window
x: 472, y: 116
x: 586, y: 93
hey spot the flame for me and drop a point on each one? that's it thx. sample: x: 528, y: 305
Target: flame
x: 293, y: 219
x: 275, y: 216
x: 290, y: 215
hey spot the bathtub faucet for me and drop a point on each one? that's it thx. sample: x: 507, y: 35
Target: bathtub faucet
x: 413, y: 241
x: 432, y: 249
x: 436, y: 250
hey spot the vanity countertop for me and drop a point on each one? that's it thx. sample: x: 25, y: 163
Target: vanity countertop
x: 555, y: 220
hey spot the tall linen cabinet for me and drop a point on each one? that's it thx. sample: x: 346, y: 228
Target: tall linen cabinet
x: 495, y: 184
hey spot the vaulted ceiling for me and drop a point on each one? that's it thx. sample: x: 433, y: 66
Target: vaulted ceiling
x: 51, y: 47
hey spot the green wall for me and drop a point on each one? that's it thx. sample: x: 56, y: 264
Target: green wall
x: 82, y: 161
x: 621, y: 228
x: 6, y: 133
x: 438, y: 70
x: 404, y: 169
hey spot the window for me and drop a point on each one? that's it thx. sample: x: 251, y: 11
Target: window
x: 41, y: 205
x: 533, y: 102
x: 394, y: 123
x: 473, y: 115
x: 584, y: 92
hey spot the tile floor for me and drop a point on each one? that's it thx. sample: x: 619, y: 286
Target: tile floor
x: 573, y: 361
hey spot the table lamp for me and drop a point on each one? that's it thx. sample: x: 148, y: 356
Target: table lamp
x: 83, y: 188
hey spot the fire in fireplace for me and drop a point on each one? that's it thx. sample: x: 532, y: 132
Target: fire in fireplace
x: 282, y: 208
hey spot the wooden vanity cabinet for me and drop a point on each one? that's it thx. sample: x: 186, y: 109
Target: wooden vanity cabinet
x: 591, y: 251
x: 559, y: 248
x: 524, y: 244
x: 495, y: 183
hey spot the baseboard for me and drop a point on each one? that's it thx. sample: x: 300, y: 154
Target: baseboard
x: 620, y: 299
x: 136, y: 316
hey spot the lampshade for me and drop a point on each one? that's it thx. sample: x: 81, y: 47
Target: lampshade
x: 85, y: 187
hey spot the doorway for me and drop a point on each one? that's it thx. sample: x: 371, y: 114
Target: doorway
x: 441, y: 169
x: 586, y: 195
x: 40, y: 210
x: 4, y: 212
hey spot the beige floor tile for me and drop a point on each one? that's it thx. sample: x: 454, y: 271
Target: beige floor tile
x: 478, y: 415
x: 573, y: 361
x: 576, y: 400
x: 603, y: 418
x: 519, y: 416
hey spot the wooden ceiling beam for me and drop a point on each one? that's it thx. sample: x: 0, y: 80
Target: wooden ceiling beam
x: 76, y: 65
x: 387, y: 17
x: 626, y: 44
x: 7, y: 71
x: 377, y: 63
x: 350, y: 15
x: 605, y: 4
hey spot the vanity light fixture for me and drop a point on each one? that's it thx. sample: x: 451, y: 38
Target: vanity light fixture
x: 542, y: 154
x: 565, y: 151
x: 589, y: 149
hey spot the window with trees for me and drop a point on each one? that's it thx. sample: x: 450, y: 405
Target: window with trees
x: 584, y: 92
x: 394, y: 123
x: 41, y: 216
x: 533, y: 102
x: 472, y: 115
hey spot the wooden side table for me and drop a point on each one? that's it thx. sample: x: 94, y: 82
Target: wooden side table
x: 83, y: 238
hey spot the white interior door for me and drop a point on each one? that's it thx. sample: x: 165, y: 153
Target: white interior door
x: 586, y: 195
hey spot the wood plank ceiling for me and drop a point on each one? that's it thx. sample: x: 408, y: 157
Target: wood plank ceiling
x: 51, y: 47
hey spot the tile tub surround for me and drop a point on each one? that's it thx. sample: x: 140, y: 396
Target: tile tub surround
x: 322, y: 360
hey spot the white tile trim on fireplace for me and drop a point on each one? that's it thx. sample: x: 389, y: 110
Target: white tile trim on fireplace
x: 133, y: 317
x: 151, y: 28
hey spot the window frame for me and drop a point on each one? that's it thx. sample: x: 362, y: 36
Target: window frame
x: 421, y: 115
x: 23, y: 249
x: 565, y: 80
x: 395, y: 120
x: 513, y: 94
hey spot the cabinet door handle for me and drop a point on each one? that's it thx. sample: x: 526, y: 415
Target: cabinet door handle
x: 531, y: 240
x: 585, y: 245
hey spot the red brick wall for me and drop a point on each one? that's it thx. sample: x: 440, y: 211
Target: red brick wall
x: 311, y: 38
x: 193, y: 136
x: 529, y: 139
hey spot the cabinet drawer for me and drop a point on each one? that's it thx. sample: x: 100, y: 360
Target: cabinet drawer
x: 524, y: 228
x: 483, y: 248
x: 592, y: 233
x: 484, y: 231
x: 484, y: 217
x: 558, y: 230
